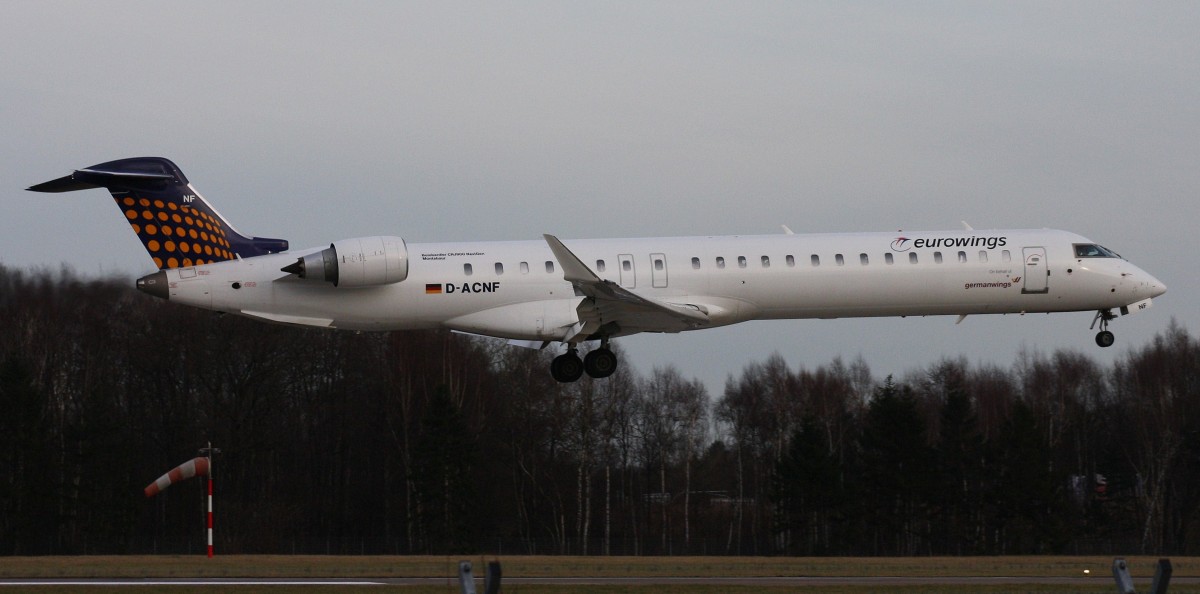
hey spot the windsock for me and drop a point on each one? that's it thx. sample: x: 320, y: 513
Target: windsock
x: 187, y: 470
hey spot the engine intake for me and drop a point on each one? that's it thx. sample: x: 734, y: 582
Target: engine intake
x: 358, y: 262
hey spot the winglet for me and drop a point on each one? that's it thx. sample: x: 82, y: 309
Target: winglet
x: 574, y: 270
x: 678, y: 316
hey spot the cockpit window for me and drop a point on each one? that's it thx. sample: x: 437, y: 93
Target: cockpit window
x: 1091, y: 250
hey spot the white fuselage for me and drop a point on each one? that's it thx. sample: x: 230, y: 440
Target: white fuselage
x: 516, y: 289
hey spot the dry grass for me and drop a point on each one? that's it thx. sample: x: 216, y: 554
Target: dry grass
x: 591, y: 589
x: 265, y: 566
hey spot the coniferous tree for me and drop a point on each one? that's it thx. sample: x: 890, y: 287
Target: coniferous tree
x: 957, y: 495
x: 808, y: 492
x: 1033, y: 510
x: 445, y: 457
x: 897, y: 472
x: 25, y: 439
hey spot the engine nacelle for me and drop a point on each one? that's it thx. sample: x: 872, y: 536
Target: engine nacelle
x: 358, y: 262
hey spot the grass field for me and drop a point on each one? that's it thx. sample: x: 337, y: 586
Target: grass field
x: 271, y: 566
x: 543, y: 566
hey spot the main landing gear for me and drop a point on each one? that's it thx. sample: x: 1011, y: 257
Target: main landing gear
x: 598, y: 363
x: 1104, y: 338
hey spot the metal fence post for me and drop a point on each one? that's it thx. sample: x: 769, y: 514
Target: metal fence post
x: 491, y: 579
x: 1121, y: 575
x: 1162, y: 577
x: 466, y: 579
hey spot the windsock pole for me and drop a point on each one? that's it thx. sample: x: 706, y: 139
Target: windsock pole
x: 198, y: 466
x: 210, y: 545
x: 208, y: 452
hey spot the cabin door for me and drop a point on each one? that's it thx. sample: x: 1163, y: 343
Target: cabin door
x: 1037, y: 275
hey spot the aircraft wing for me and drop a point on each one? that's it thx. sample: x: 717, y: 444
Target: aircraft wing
x: 613, y: 310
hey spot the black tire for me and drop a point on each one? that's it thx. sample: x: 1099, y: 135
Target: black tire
x: 566, y: 368
x: 1105, y: 339
x: 600, y: 363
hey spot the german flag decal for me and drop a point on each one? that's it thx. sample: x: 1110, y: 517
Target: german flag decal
x: 433, y: 289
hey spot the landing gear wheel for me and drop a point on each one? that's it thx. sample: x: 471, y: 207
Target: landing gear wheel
x: 567, y: 368
x: 1105, y: 338
x: 600, y: 363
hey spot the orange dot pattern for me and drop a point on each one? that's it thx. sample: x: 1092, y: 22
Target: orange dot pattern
x: 176, y: 235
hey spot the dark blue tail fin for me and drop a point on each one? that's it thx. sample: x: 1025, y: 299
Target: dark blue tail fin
x: 176, y: 225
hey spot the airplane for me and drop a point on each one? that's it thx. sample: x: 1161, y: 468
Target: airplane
x: 539, y: 292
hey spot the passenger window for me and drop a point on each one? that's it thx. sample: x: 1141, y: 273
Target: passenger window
x: 599, y: 265
x: 862, y: 258
x: 741, y: 261
x: 840, y: 260
x: 766, y: 262
x: 912, y: 257
x: 549, y: 266
x: 499, y: 268
x: 937, y: 257
x: 467, y: 269
x: 658, y: 264
x: 982, y: 255
x: 791, y: 262
x: 720, y: 262
x: 888, y: 258
x: 962, y: 257
x: 524, y: 267
x: 626, y: 265
x: 1006, y: 256
x: 816, y: 260
x: 696, y: 263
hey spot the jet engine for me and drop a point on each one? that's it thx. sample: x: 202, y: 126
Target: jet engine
x: 358, y: 262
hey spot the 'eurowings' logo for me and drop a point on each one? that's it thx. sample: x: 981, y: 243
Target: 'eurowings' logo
x: 902, y: 244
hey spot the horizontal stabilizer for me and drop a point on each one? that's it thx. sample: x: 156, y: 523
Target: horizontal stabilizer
x: 87, y: 179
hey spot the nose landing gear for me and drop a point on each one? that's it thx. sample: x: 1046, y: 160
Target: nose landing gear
x: 1104, y: 338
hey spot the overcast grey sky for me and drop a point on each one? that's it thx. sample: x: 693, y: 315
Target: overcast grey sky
x: 446, y: 121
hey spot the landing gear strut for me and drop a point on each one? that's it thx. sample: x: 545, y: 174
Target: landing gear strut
x: 1104, y: 338
x: 598, y: 363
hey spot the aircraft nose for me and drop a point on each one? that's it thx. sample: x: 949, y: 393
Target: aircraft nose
x: 1156, y: 287
x: 1149, y: 284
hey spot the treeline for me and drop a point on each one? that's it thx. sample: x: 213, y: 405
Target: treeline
x: 429, y: 442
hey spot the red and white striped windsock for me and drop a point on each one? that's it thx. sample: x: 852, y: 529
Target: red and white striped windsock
x: 187, y: 470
